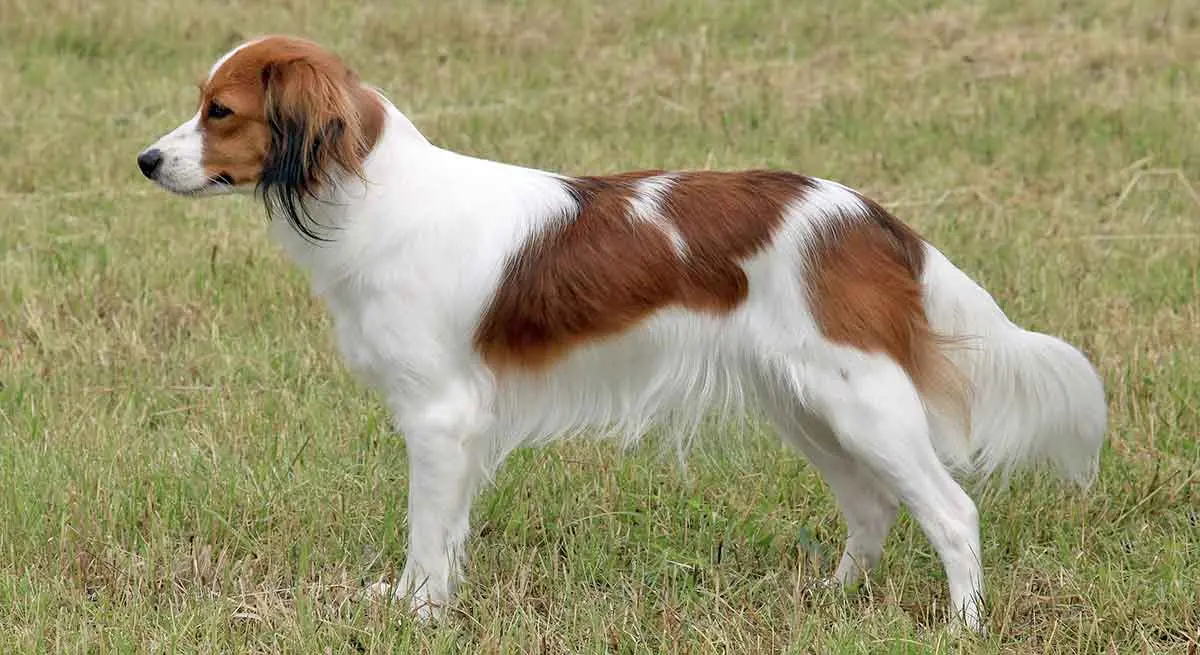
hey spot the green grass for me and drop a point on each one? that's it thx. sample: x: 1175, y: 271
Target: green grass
x: 185, y: 466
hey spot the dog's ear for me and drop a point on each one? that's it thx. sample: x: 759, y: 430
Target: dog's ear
x: 323, y: 123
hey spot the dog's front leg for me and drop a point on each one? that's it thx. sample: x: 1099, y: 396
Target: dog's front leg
x: 448, y: 447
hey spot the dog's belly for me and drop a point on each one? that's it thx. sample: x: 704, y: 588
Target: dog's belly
x: 674, y: 369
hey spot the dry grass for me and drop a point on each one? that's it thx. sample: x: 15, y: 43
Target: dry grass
x: 185, y: 466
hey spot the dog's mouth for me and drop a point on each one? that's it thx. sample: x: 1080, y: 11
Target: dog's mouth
x: 214, y: 185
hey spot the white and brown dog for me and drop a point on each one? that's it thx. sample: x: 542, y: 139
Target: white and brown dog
x: 495, y: 306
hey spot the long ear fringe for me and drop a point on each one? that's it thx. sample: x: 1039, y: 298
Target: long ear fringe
x: 289, y: 179
x: 320, y: 132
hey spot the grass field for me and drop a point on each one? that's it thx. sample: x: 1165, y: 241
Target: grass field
x: 186, y: 467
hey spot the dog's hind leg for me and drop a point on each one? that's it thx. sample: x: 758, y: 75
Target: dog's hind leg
x: 877, y: 418
x: 868, y: 507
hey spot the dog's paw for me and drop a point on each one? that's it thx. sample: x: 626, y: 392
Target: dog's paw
x: 421, y: 605
x: 829, y: 583
x: 379, y: 592
x: 969, y: 624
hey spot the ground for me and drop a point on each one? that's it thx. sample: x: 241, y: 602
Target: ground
x: 186, y: 466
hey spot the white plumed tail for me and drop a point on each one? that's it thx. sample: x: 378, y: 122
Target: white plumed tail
x: 1034, y: 398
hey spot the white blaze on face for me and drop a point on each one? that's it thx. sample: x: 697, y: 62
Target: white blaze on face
x: 182, y: 152
x: 227, y: 56
x: 182, y: 167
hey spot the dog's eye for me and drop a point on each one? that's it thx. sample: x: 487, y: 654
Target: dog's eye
x: 217, y: 110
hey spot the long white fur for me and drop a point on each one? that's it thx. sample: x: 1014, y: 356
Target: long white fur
x: 1036, y: 398
x: 416, y: 260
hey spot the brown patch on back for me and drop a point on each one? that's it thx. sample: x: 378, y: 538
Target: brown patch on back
x: 864, y: 279
x: 601, y: 271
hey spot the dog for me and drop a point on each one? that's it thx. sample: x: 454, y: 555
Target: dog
x: 494, y: 306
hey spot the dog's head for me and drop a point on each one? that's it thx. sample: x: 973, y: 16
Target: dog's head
x: 279, y: 115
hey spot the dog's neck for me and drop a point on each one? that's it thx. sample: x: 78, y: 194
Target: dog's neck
x: 396, y: 126
x: 415, y: 198
x: 391, y: 172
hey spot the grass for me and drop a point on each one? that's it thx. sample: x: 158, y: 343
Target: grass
x: 186, y: 467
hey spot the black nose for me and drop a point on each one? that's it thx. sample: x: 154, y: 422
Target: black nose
x: 149, y: 161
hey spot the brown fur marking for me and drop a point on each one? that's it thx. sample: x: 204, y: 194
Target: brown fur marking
x: 293, y: 83
x: 865, y: 290
x: 601, y: 272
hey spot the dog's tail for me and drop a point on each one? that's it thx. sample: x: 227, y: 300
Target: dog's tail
x: 1033, y: 397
